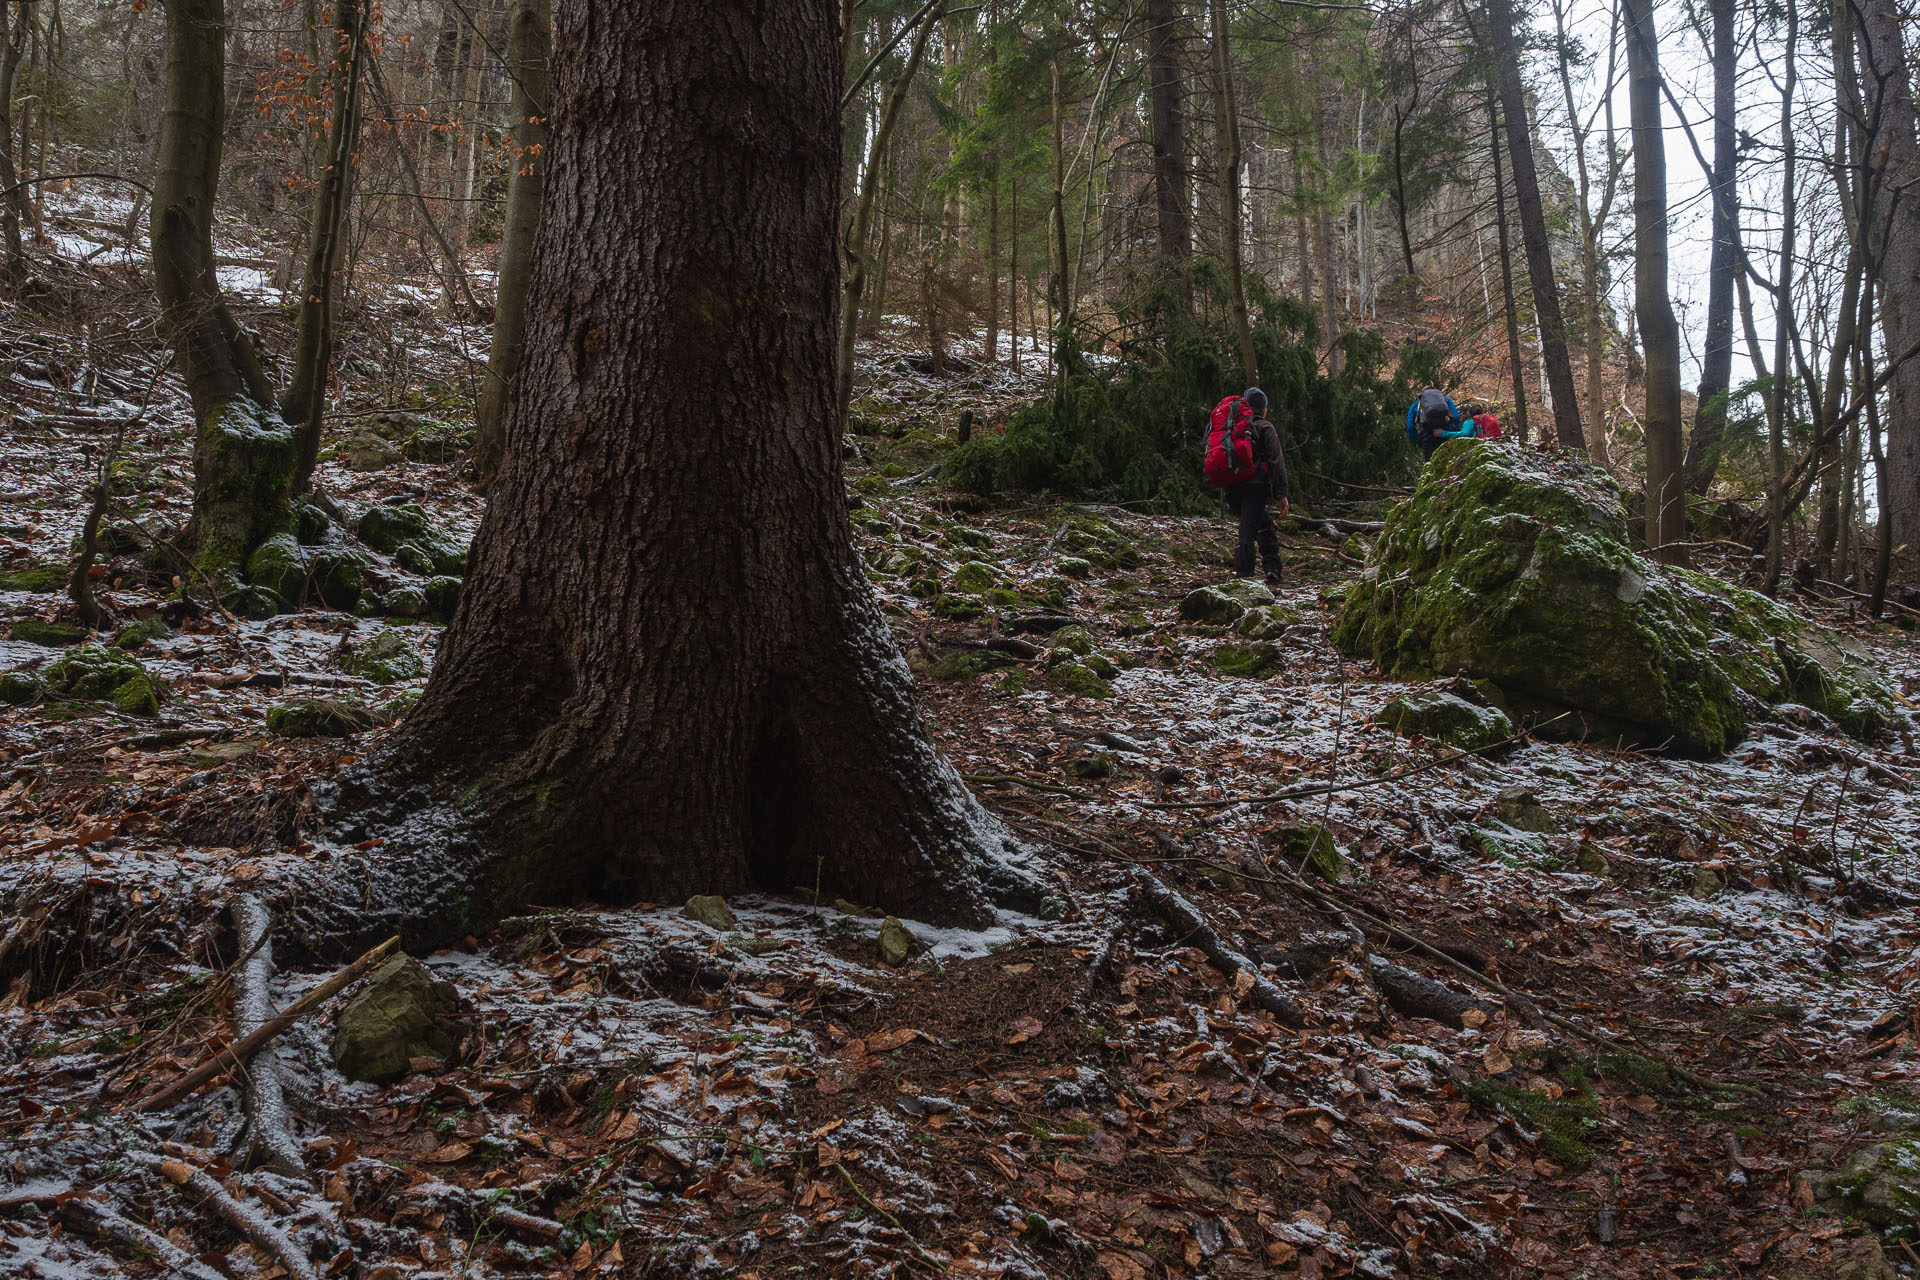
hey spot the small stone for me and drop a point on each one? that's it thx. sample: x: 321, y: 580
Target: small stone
x: 1210, y: 605
x: 1593, y: 862
x: 385, y: 659
x: 709, y: 909
x: 18, y: 688
x: 897, y: 945
x: 846, y: 908
x: 1446, y: 718
x: 1247, y: 592
x: 1861, y: 1258
x: 973, y: 577
x: 1251, y: 661
x: 1074, y: 567
x: 1520, y: 808
x: 403, y: 1013
x: 1266, y: 622
x: 366, y: 451
x: 1099, y: 764
x: 1879, y: 1184
x: 1707, y: 882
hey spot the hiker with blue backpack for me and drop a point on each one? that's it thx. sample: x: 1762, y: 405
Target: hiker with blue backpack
x: 1433, y: 419
x: 1245, y: 461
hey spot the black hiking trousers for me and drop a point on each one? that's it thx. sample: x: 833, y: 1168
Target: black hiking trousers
x: 1248, y: 500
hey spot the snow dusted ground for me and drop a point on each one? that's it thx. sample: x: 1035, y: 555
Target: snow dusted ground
x: 1088, y: 1095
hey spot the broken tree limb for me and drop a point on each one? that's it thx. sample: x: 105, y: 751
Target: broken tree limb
x: 1419, y: 997
x: 89, y: 1217
x: 267, y: 1140
x: 231, y: 1056
x: 266, y: 1237
x: 1333, y: 900
x: 1192, y: 929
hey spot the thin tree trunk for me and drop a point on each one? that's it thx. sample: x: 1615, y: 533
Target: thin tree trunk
x: 304, y: 405
x: 992, y: 263
x: 1516, y: 361
x: 1228, y: 137
x: 1894, y: 244
x: 529, y: 47
x: 1882, y: 477
x: 1533, y: 231
x: 1666, y: 518
x: 1059, y: 282
x: 1171, y: 190
x: 243, y: 458
x: 454, y: 280
x: 858, y: 233
x: 1716, y: 361
x: 667, y: 674
x: 1782, y: 314
x: 1013, y: 268
x: 14, y: 209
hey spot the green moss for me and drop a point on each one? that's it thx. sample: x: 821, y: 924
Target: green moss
x: 406, y: 601
x: 389, y: 528
x: 1073, y: 640
x: 1880, y: 1184
x: 1514, y: 566
x: 1210, y: 605
x: 1074, y: 567
x: 973, y: 577
x: 279, y: 565
x: 19, y: 688
x: 52, y: 635
x: 1079, y: 681
x: 1251, y: 661
x: 100, y: 672
x: 310, y: 523
x: 1565, y: 1124
x: 137, y: 634
x: 319, y: 718
x: 385, y: 659
x: 968, y: 663
x: 1266, y: 622
x: 926, y: 588
x: 338, y: 578
x: 1013, y: 682
x: 1312, y: 848
x: 243, y: 466
x: 1100, y: 764
x: 958, y: 608
x: 1445, y: 718
x: 40, y: 578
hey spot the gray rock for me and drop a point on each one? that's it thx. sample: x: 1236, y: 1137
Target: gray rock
x: 1520, y: 808
x: 1879, y: 1184
x: 1266, y: 622
x: 897, y: 944
x: 1445, y: 718
x: 403, y: 1013
x: 709, y: 909
x: 1210, y: 605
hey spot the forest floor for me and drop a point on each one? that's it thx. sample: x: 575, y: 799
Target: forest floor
x: 1091, y: 1095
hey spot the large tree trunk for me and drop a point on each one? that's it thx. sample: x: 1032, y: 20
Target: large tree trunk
x: 529, y: 46
x: 1171, y: 192
x: 243, y: 453
x: 860, y: 231
x: 1228, y: 131
x: 1894, y: 244
x: 1516, y: 361
x: 1533, y: 231
x: 1716, y: 360
x: 667, y: 674
x: 1782, y: 314
x: 1666, y: 521
x: 304, y: 404
x: 14, y: 209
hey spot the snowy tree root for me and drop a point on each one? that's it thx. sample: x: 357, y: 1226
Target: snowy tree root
x: 266, y: 1237
x: 91, y: 1218
x: 267, y: 1141
x: 1192, y: 929
x: 233, y: 1056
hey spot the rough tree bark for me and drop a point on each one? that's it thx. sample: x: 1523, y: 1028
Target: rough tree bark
x: 1666, y: 520
x: 1516, y: 363
x: 1894, y: 245
x: 667, y: 674
x: 304, y: 404
x: 1592, y: 226
x: 14, y: 209
x: 861, y: 229
x: 1533, y: 230
x: 1716, y: 360
x: 1059, y: 280
x: 1782, y: 315
x: 529, y: 46
x: 1228, y: 130
x: 243, y: 454
x: 1167, y: 126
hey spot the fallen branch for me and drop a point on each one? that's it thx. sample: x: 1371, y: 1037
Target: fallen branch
x: 90, y: 1217
x: 1329, y: 788
x: 232, y: 1056
x: 1420, y: 997
x: 267, y: 1141
x: 1016, y: 780
x: 918, y: 477
x: 918, y: 1249
x: 1193, y: 930
x: 266, y: 1237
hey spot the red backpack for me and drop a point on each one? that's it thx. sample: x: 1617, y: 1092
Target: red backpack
x: 1230, y: 444
x: 1489, y: 426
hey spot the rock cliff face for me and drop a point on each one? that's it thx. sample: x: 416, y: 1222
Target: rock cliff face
x: 1513, y: 567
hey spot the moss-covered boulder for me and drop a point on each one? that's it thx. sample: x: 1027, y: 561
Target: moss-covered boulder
x: 974, y: 577
x: 1253, y: 661
x: 403, y: 1013
x: 387, y: 658
x: 319, y: 718
x: 19, y: 688
x: 137, y: 635
x: 338, y: 578
x: 1210, y: 605
x: 1879, y: 1184
x: 37, y: 577
x: 101, y: 672
x: 389, y: 528
x: 406, y: 601
x: 1074, y: 567
x: 1445, y: 718
x: 1078, y: 680
x: 443, y: 595
x: 1514, y: 567
x: 52, y: 635
x: 1265, y: 622
x: 1073, y: 640
x: 1312, y: 848
x: 279, y: 565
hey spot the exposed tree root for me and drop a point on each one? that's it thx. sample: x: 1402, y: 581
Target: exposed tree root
x: 1419, y: 997
x: 90, y: 1217
x: 267, y: 1140
x: 1192, y: 929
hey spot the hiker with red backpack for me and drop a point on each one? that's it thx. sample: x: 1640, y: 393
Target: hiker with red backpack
x: 1245, y: 461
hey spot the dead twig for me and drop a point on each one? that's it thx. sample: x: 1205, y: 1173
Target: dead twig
x: 266, y: 1237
